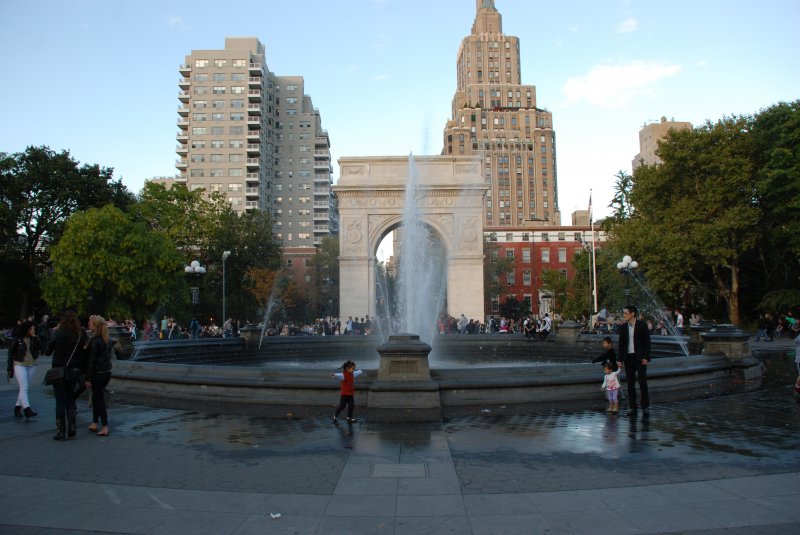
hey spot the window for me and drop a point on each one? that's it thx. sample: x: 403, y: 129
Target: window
x: 199, y: 104
x: 198, y: 144
x: 216, y: 187
x: 239, y: 63
x: 219, y: 77
x: 216, y: 158
x: 217, y: 173
x: 195, y: 173
x: 236, y: 144
x: 235, y: 172
x: 220, y: 63
x: 562, y: 236
x: 562, y: 254
x: 201, y: 63
x: 217, y: 116
x: 237, y: 103
x: 217, y: 144
x: 545, y: 255
x: 196, y: 187
x: 234, y: 187
x: 495, y: 305
x: 526, y: 256
x: 198, y: 158
x: 219, y: 90
x: 237, y: 77
x: 217, y: 103
x: 201, y: 78
x: 237, y: 116
x: 235, y: 158
x: 237, y: 130
x: 198, y: 131
x: 217, y: 130
x: 510, y: 278
x: 237, y: 90
x: 201, y: 90
x: 510, y: 254
x: 526, y: 277
x: 545, y: 236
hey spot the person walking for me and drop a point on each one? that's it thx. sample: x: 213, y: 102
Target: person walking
x: 67, y: 347
x: 347, y: 390
x: 22, y: 355
x: 634, y: 352
x: 99, y: 373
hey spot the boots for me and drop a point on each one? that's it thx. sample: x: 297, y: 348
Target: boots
x: 60, y: 427
x: 17, y: 411
x: 29, y: 413
x: 71, y: 426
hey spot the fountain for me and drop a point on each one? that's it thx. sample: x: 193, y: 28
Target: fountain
x: 275, y: 375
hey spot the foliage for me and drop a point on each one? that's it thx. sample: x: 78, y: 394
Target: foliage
x: 495, y: 268
x: 718, y: 219
x: 556, y: 285
x: 39, y: 190
x: 105, y: 263
x: 512, y: 308
x: 325, y: 284
x: 621, y: 202
x: 186, y: 217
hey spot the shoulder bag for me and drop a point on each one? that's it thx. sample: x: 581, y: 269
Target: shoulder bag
x: 58, y: 374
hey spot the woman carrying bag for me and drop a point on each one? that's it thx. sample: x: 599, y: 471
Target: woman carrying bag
x: 99, y: 373
x: 67, y: 348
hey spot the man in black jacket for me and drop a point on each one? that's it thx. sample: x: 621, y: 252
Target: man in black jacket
x: 634, y: 352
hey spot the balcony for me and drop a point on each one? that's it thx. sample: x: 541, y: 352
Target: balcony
x: 322, y: 179
x: 321, y: 216
x: 183, y: 122
x: 182, y: 149
x: 183, y: 110
x: 254, y: 82
x: 184, y: 96
x: 185, y: 70
x: 253, y: 162
x: 254, y: 109
x: 251, y: 205
x: 181, y: 164
x: 184, y: 83
x: 253, y: 120
x: 256, y: 69
x: 252, y: 177
x: 251, y: 192
x: 254, y: 95
x: 183, y: 135
x: 253, y: 148
x: 254, y: 134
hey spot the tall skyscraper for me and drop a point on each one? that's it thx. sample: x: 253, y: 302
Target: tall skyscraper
x: 496, y: 119
x: 256, y: 137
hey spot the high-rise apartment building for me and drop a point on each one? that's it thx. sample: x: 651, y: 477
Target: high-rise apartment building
x: 256, y: 137
x: 496, y: 119
x: 650, y: 135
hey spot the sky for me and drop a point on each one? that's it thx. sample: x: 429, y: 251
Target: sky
x: 100, y: 77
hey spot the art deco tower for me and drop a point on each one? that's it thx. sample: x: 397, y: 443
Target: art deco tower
x: 496, y: 119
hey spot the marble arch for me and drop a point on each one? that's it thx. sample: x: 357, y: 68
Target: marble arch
x: 371, y: 194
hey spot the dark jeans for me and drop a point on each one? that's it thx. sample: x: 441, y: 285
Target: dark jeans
x: 634, y: 369
x: 99, y: 382
x: 65, y: 397
x: 345, y: 400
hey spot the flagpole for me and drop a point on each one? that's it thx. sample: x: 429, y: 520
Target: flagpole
x: 594, y: 258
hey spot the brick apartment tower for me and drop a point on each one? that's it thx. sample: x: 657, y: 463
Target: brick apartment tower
x: 256, y: 137
x: 496, y: 119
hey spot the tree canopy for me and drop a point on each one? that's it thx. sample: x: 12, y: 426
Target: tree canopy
x: 721, y: 213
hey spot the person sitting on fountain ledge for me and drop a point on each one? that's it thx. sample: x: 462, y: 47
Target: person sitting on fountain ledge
x: 634, y: 345
x: 347, y: 390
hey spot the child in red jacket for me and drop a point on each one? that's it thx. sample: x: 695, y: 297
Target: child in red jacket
x: 346, y: 390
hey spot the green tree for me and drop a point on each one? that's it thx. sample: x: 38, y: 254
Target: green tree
x: 39, y: 190
x: 186, y: 217
x: 512, y: 308
x: 325, y: 268
x: 555, y: 284
x: 496, y: 266
x: 106, y: 263
x: 621, y: 202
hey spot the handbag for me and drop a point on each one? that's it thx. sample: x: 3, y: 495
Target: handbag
x: 58, y: 374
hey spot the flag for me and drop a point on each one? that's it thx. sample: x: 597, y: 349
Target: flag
x: 590, y: 204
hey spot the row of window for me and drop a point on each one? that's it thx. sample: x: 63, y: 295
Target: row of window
x: 220, y: 77
x: 218, y: 144
x: 217, y: 130
x: 237, y: 116
x: 219, y: 90
x: 233, y: 103
x: 199, y: 173
x: 219, y: 63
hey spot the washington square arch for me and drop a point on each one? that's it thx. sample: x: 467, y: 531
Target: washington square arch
x: 449, y: 197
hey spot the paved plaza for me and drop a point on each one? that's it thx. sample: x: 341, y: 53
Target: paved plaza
x: 723, y: 465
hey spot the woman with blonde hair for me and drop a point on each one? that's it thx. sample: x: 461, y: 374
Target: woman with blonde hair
x: 99, y: 373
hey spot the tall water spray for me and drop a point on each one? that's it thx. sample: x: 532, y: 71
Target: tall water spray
x: 419, y: 280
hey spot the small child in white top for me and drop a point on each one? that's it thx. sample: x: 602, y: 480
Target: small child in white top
x: 611, y: 388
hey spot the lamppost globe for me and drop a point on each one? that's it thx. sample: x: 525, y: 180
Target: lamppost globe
x: 626, y: 267
x: 194, y: 272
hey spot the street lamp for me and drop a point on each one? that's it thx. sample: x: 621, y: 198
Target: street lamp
x: 194, y: 272
x: 626, y: 267
x: 225, y: 256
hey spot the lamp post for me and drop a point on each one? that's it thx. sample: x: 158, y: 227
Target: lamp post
x: 626, y: 267
x: 194, y: 272
x: 225, y: 256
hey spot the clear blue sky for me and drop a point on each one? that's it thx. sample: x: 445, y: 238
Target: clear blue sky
x: 100, y: 77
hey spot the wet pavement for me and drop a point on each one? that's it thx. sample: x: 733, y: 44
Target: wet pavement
x: 723, y: 465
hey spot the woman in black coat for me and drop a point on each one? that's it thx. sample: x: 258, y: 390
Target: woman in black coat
x: 99, y: 373
x: 67, y: 348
